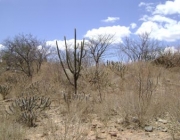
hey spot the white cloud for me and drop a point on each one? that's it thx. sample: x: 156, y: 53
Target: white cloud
x: 161, y: 26
x: 1, y: 47
x: 61, y: 43
x: 147, y: 26
x: 169, y: 8
x: 160, y: 18
x: 142, y: 4
x: 52, y: 43
x: 166, y: 32
x: 118, y: 31
x: 133, y: 25
x: 149, y: 6
x: 144, y: 18
x: 170, y: 50
x: 111, y: 19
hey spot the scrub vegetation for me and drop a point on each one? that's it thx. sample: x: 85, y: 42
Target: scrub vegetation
x: 79, y: 95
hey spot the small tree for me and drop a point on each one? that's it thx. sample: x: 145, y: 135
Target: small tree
x: 97, y: 49
x: 41, y: 55
x: 73, y: 60
x: 99, y: 45
x: 143, y: 48
x: 24, y: 53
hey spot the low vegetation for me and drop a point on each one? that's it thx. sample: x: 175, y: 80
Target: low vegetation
x: 70, y: 99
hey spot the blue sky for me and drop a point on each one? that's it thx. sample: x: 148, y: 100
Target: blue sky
x: 52, y: 19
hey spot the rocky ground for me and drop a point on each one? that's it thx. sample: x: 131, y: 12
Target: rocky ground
x: 55, y: 128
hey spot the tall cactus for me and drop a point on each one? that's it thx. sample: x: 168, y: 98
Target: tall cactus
x: 74, y: 64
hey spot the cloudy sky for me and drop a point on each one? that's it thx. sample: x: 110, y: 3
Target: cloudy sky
x: 52, y: 19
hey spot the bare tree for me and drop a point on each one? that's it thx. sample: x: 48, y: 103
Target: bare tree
x: 23, y: 53
x: 97, y: 49
x: 143, y: 48
x: 99, y: 45
x: 73, y: 60
x: 41, y: 55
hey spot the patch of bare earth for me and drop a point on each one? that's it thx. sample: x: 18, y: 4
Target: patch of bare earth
x: 58, y: 127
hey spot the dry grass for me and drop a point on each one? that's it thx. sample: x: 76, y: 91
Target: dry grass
x: 10, y: 130
x: 144, y: 92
